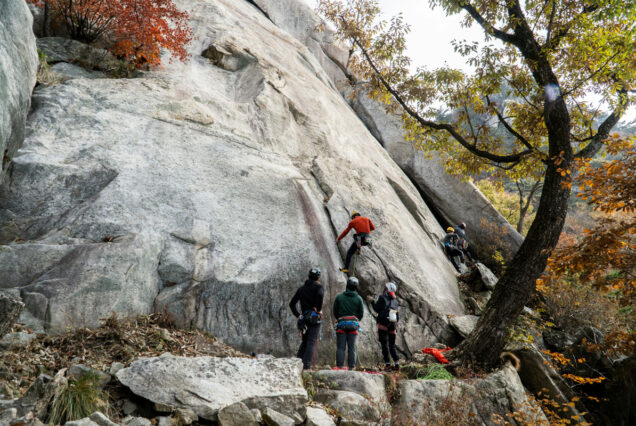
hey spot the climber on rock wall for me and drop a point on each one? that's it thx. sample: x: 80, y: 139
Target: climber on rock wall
x: 363, y: 227
x: 449, y: 242
x: 348, y: 309
x: 310, y: 295
x: 462, y: 243
x: 387, y: 308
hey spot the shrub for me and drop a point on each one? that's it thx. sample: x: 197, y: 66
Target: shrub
x: 131, y: 29
x: 78, y: 399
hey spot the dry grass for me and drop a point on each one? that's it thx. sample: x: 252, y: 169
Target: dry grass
x: 116, y: 340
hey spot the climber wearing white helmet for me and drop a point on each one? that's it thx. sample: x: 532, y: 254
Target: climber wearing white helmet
x: 387, y: 308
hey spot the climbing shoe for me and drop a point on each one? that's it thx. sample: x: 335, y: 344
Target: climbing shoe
x: 345, y: 270
x: 396, y: 367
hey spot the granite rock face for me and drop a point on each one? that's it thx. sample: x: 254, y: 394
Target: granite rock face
x: 207, y: 190
x: 207, y: 384
x: 18, y: 69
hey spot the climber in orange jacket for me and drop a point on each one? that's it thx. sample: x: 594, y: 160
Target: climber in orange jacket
x: 363, y: 227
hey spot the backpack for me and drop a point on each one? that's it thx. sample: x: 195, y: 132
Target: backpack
x: 390, y: 312
x: 393, y: 311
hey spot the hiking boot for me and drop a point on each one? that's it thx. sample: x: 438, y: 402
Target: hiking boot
x: 396, y: 367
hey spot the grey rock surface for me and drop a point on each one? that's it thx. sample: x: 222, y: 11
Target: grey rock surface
x: 18, y: 69
x: 68, y: 71
x: 475, y: 401
x: 354, y: 408
x: 318, y: 416
x: 208, y: 193
x: 369, y: 385
x: 77, y: 371
x: 464, y: 324
x: 207, y: 384
x: 274, y: 418
x: 237, y: 414
x: 86, y: 421
x: 10, y: 309
x: 136, y: 421
x: 481, y: 278
x: 85, y: 57
x: 101, y: 419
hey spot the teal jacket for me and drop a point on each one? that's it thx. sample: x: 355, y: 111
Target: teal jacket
x: 347, y: 304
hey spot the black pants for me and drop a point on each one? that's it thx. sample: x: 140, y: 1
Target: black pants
x: 451, y: 252
x: 387, y: 341
x: 467, y: 254
x: 354, y: 247
x: 346, y: 341
x: 308, y: 345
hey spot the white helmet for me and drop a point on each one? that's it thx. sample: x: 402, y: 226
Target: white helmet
x: 391, y: 287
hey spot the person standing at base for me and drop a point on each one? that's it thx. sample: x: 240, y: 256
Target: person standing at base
x: 387, y: 308
x: 363, y: 227
x: 310, y: 296
x: 348, y: 308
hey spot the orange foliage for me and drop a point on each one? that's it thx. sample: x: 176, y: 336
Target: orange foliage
x: 131, y: 29
x: 606, y: 255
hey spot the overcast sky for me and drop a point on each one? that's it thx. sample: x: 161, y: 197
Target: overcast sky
x: 429, y: 42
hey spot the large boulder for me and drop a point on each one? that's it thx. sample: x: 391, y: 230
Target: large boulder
x: 18, y: 69
x: 476, y: 401
x: 208, y: 384
x: 206, y: 190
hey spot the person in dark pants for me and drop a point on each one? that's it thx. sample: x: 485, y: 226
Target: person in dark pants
x: 450, y: 241
x: 363, y: 227
x: 348, y: 308
x: 310, y: 296
x: 462, y: 243
x: 387, y: 308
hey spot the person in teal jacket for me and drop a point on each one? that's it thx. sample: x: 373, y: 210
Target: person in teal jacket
x: 348, y: 308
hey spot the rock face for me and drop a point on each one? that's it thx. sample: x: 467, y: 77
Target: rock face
x: 18, y: 68
x: 208, y: 384
x: 455, y: 201
x: 207, y: 190
x: 468, y: 402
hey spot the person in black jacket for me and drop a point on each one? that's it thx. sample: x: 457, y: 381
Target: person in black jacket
x: 387, y: 322
x: 310, y: 296
x: 462, y: 243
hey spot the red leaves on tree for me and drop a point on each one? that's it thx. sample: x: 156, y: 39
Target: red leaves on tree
x: 135, y: 30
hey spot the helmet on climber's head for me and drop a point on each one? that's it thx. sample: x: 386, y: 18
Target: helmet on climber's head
x: 314, y: 273
x: 450, y: 229
x: 353, y: 284
x: 354, y: 214
x: 390, y: 287
x: 462, y: 225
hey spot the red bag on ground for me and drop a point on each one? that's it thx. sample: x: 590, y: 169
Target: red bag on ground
x: 437, y: 353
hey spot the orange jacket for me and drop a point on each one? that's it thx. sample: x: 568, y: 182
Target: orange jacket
x: 361, y: 224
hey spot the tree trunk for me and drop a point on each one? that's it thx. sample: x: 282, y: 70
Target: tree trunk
x: 46, y: 21
x: 518, y: 282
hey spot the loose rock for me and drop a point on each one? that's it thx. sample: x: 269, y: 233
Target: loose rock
x: 207, y: 384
